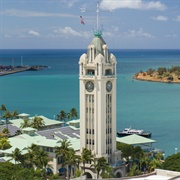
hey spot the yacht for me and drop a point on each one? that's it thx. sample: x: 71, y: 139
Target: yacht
x: 129, y: 131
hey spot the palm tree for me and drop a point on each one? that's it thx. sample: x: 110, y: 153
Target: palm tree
x: 30, y: 156
x: 14, y: 115
x: 41, y: 158
x: 3, y: 109
x: 101, y: 165
x: 7, y: 115
x: 71, y: 160
x: 63, y: 149
x: 4, y: 143
x: 16, y: 155
x: 144, y: 161
x: 86, y: 156
x: 134, y: 171
x: 73, y: 113
x: 108, y: 173
x: 25, y: 123
x: 37, y: 123
x: 62, y: 116
x: 37, y: 157
x: 154, y: 164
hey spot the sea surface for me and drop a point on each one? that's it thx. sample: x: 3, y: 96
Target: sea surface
x: 151, y: 106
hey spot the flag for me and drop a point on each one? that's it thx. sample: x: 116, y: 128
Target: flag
x: 82, y: 20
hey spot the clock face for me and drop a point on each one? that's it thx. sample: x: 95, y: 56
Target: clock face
x: 89, y: 86
x: 108, y: 86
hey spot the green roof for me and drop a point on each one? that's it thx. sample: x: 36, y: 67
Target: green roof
x: 48, y: 122
x: 98, y: 42
x: 134, y: 140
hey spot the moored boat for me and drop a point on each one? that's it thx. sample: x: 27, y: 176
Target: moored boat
x: 129, y: 131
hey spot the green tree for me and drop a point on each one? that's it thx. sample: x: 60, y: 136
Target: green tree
x: 16, y: 155
x: 144, y: 162
x: 41, y: 158
x: 134, y: 171
x: 7, y: 115
x: 37, y: 123
x: 127, y: 150
x: 14, y: 114
x: 101, y: 165
x: 86, y: 156
x: 2, y: 109
x: 30, y: 157
x: 4, y: 143
x: 137, y: 153
x: 73, y: 113
x: 172, y: 162
x: 25, y: 123
x: 154, y: 164
x: 63, y: 149
x: 61, y: 116
x: 5, y: 131
x: 77, y: 173
x: 150, y: 71
x: 108, y: 173
x: 9, y: 171
x: 161, y: 70
x: 71, y: 160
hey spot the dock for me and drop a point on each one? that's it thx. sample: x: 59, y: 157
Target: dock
x: 7, y: 70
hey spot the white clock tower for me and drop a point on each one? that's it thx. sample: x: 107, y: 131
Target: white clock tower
x: 97, y: 76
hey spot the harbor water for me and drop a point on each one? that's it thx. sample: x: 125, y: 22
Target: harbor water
x: 151, y: 106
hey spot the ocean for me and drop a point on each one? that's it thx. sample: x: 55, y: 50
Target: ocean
x: 151, y: 106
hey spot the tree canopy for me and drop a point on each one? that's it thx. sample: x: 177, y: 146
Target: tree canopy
x: 172, y: 162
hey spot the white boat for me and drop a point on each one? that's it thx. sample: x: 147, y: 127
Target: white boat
x: 129, y: 131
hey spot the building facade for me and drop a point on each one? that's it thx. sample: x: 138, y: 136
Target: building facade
x: 97, y: 77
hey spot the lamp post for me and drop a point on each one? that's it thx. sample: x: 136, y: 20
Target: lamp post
x: 176, y: 150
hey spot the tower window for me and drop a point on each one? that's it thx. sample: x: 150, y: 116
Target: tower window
x: 108, y: 72
x: 90, y: 72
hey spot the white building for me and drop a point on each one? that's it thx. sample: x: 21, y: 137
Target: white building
x: 97, y: 77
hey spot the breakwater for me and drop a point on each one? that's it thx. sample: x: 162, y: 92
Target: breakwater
x: 7, y: 70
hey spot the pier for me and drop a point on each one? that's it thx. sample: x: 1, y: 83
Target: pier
x: 7, y: 70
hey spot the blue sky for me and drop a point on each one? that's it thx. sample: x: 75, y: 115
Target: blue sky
x: 127, y: 24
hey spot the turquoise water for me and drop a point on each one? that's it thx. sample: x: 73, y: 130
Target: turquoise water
x: 154, y: 107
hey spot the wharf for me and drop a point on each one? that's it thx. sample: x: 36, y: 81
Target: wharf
x: 15, y: 70
x: 18, y: 69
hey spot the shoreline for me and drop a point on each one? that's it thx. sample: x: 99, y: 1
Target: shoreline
x: 140, y: 77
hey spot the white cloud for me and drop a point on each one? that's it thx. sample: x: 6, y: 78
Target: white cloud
x: 132, y: 4
x: 34, y: 33
x: 138, y: 34
x: 160, y: 18
x: 68, y: 31
x: 20, y: 13
x: 177, y: 18
x: 171, y: 36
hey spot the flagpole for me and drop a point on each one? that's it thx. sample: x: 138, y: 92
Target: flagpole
x: 97, y: 15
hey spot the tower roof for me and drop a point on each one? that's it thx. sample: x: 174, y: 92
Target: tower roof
x: 98, y: 43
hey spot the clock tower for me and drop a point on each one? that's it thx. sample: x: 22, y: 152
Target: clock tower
x: 97, y: 77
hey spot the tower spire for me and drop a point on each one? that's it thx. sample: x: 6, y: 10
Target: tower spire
x: 97, y: 31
